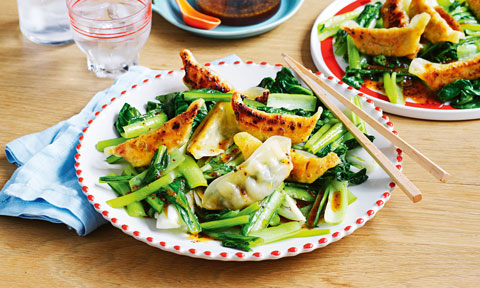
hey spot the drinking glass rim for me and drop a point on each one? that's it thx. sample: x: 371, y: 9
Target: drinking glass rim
x: 70, y: 12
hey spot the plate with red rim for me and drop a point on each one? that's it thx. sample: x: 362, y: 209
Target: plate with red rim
x: 90, y: 165
x: 327, y: 62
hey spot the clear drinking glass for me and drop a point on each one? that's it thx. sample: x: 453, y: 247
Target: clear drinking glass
x: 44, y: 21
x: 110, y: 32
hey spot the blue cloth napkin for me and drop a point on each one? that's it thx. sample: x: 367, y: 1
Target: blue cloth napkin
x: 45, y: 186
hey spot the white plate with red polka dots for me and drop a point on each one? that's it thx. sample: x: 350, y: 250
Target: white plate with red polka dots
x: 90, y: 164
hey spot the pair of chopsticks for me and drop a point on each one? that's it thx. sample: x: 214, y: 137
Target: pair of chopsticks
x: 402, y: 181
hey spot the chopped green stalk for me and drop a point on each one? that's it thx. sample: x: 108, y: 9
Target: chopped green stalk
x: 142, y: 193
x: 129, y: 170
x: 332, y: 25
x: 317, y: 135
x: 466, y: 50
x: 306, y: 210
x: 235, y: 241
x: 262, y: 217
x: 192, y: 173
x: 351, y: 197
x: 317, y: 208
x: 332, y: 134
x: 336, y: 208
x: 253, y: 103
x: 392, y: 90
x: 353, y: 54
x: 292, y: 101
x: 158, y: 163
x: 225, y: 223
x: 197, y: 94
x: 116, y: 179
x: 252, y: 208
x: 336, y: 143
x: 119, y: 188
x: 328, y: 33
x: 101, y: 145
x: 277, y: 233
x: 134, y: 209
x: 229, y: 214
x: 369, y: 14
x: 275, y: 220
x: 137, y: 181
x: 472, y: 27
x: 112, y: 159
x: 298, y: 193
x: 155, y: 202
x: 142, y: 127
x: 184, y: 210
x: 176, y: 158
x: 337, y: 21
x: 359, y: 122
x: 311, y: 233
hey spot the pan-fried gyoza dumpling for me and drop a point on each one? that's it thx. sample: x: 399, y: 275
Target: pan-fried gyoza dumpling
x: 438, y: 75
x: 255, y: 178
x: 397, y: 42
x: 438, y: 29
x: 197, y: 76
x: 173, y: 134
x: 263, y: 125
x: 308, y: 167
x: 474, y: 5
x: 215, y: 133
x: 394, y: 14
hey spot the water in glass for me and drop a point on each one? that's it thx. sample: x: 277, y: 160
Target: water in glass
x: 44, y: 21
x: 110, y: 32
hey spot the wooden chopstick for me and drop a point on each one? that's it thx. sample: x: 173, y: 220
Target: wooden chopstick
x: 416, y: 155
x: 402, y: 181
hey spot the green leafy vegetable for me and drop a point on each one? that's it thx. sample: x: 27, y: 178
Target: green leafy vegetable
x: 369, y: 14
x: 235, y: 241
x: 174, y: 104
x: 125, y: 117
x: 284, y: 82
x: 462, y: 94
x: 440, y: 52
x: 131, y: 123
x: 158, y: 163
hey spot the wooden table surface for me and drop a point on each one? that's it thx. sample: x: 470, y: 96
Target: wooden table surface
x: 434, y: 243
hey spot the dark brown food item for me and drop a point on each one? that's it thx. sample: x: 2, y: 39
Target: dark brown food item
x: 393, y: 14
x: 239, y: 12
x: 198, y: 77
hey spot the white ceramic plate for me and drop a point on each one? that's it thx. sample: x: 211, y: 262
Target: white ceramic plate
x: 327, y: 62
x: 90, y: 165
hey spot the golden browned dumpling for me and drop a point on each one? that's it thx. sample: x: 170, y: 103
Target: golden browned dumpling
x: 308, y: 167
x: 263, y: 125
x: 438, y: 75
x: 397, y: 42
x: 394, y: 14
x: 215, y: 134
x: 197, y: 76
x: 438, y: 29
x: 474, y: 5
x: 173, y: 134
